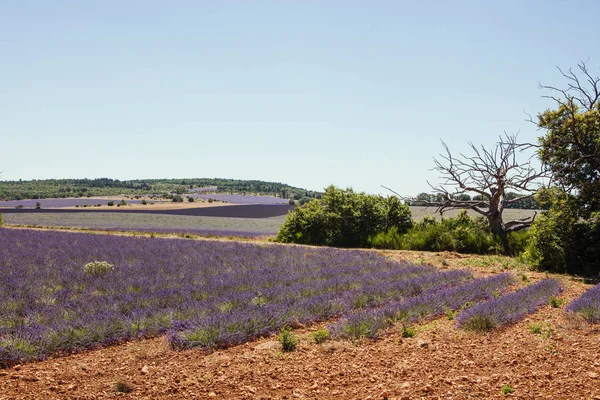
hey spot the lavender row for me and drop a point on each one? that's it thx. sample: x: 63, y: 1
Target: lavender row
x: 508, y: 308
x: 259, y: 318
x: 224, y: 290
x: 435, y: 301
x: 587, y: 305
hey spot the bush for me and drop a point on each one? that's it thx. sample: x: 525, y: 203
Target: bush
x: 560, y: 241
x: 288, y: 340
x: 190, y: 199
x: 110, y: 203
x: 97, y: 268
x: 462, y: 234
x: 1, y: 220
x: 344, y: 218
x: 321, y: 335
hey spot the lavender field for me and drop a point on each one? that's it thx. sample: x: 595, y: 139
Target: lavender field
x: 508, y: 308
x: 62, y: 203
x: 587, y: 305
x: 241, y: 199
x: 56, y: 300
x: 150, y: 222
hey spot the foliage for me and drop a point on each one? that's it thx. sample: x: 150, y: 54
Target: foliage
x: 560, y: 241
x: 321, y: 335
x: 344, y: 218
x: 461, y: 234
x: 508, y: 308
x: 587, y: 305
x: 288, y: 340
x: 1, y: 220
x: 61, y: 188
x: 571, y: 145
x: 535, y: 328
x: 408, y: 332
x: 556, y: 302
x: 507, y: 389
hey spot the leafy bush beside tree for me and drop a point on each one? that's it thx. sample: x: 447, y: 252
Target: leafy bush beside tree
x: 462, y: 234
x: 344, y: 218
x: 562, y: 241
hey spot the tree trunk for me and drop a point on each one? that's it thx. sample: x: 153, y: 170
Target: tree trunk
x: 496, y: 224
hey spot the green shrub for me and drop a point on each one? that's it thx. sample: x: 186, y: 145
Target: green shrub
x: 110, y: 203
x: 462, y: 234
x: 344, y: 218
x: 408, y: 332
x: 556, y: 302
x: 560, y: 241
x: 535, y: 328
x: 1, y: 220
x: 288, y: 340
x: 321, y: 335
x: 507, y: 389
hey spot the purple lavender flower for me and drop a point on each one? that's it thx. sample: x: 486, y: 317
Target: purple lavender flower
x: 508, y: 308
x: 587, y: 305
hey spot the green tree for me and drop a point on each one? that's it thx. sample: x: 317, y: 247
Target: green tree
x: 344, y: 218
x: 571, y: 145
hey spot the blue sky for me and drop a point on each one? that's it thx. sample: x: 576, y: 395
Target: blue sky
x: 310, y: 93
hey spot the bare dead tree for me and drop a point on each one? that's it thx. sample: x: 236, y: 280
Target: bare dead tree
x: 488, y: 174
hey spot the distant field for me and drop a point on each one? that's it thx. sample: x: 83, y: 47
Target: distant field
x: 120, y: 221
x: 509, y: 214
x: 94, y: 201
x: 241, y: 199
x: 234, y: 220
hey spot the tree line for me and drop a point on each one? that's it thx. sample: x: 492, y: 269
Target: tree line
x: 62, y: 188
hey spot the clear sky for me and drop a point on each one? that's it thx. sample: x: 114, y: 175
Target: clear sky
x: 311, y: 93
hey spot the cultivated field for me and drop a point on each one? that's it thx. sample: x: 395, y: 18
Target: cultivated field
x: 247, y: 220
x: 149, y: 222
x: 207, y: 305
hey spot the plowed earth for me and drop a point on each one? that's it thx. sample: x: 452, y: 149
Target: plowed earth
x: 440, y: 362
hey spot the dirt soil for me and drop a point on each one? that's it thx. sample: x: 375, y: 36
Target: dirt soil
x: 440, y: 362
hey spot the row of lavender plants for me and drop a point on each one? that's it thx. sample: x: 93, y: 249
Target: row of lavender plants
x: 433, y: 302
x: 587, y: 305
x: 508, y: 308
x: 202, y: 293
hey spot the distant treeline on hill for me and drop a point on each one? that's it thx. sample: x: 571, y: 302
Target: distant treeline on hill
x: 61, y: 188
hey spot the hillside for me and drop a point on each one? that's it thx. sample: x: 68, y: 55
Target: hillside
x: 61, y: 188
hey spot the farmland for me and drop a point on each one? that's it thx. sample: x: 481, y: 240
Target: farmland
x: 165, y: 296
x: 234, y: 220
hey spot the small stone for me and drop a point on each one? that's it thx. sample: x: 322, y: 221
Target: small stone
x: 145, y: 370
x: 422, y: 343
x: 514, y: 362
x: 384, y: 395
x: 72, y: 387
x: 212, y: 394
x: 593, y: 375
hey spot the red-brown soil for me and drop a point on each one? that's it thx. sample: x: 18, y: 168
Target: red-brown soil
x: 440, y: 362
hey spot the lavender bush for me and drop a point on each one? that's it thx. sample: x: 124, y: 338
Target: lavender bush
x: 201, y: 293
x: 508, y: 308
x: 587, y: 305
x: 450, y: 294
